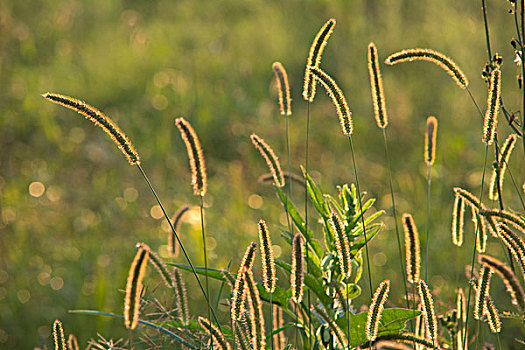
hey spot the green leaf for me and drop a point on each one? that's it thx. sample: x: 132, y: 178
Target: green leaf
x: 279, y: 295
x: 311, y: 282
x: 354, y: 248
x: 299, y: 222
x: 212, y: 273
x: 360, y: 213
x: 316, y: 196
x: 392, y: 322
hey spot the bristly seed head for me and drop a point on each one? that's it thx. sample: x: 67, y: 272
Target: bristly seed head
x: 99, y: 119
x: 412, y: 250
x: 430, y: 140
x: 499, y: 171
x: 376, y: 309
x: 297, y: 277
x: 58, y: 335
x: 458, y: 219
x: 482, y: 291
x: 314, y: 58
x: 268, y: 263
x: 431, y: 56
x: 428, y: 310
x: 256, y: 313
x: 283, y: 87
x: 134, y: 286
x: 173, y: 245
x: 215, y: 333
x: 493, y: 103
x: 376, y: 83
x: 341, y: 243
x: 271, y: 159
x: 515, y: 244
x: 181, y: 297
x: 195, y: 155
x: 338, y: 98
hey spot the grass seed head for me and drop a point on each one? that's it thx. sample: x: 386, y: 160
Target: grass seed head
x: 134, y: 286
x: 376, y: 309
x: 271, y: 159
x: 493, y: 102
x: 268, y: 263
x: 412, y: 249
x: 376, y: 83
x: 283, y: 87
x: 430, y: 140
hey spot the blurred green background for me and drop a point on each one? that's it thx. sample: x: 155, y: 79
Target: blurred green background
x: 72, y: 209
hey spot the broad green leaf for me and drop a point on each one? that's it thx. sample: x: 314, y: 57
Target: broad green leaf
x: 299, y: 222
x: 316, y: 196
x: 360, y: 213
x: 311, y: 282
x: 392, y: 322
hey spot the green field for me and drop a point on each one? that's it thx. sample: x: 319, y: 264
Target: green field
x: 72, y: 208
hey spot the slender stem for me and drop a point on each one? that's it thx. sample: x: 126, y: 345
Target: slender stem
x: 362, y: 214
x: 394, y: 213
x: 306, y: 222
x: 522, y: 69
x: 475, y: 243
x: 487, y: 36
x: 271, y: 310
x: 429, y: 181
x: 205, y: 256
x: 179, y: 241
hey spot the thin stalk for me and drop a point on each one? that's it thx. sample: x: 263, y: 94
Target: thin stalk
x: 362, y: 216
x: 271, y: 310
x: 487, y: 36
x: 179, y: 241
x: 290, y: 226
x: 474, y: 248
x: 205, y: 256
x: 429, y: 182
x: 522, y: 68
x: 394, y: 212
x: 306, y: 221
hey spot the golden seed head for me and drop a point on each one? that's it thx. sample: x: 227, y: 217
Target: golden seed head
x: 458, y: 219
x: 58, y: 335
x: 214, y: 332
x: 268, y: 263
x: 435, y: 57
x: 134, y: 286
x: 283, y: 87
x: 271, y: 159
x: 493, y: 102
x: 195, y: 155
x: 430, y: 140
x: 376, y: 309
x: 376, y: 83
x: 412, y: 250
x: 297, y: 276
x: 99, y: 119
x: 498, y: 173
x: 428, y: 310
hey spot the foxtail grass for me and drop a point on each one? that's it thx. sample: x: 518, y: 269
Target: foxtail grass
x: 314, y: 58
x: 498, y: 173
x: 334, y: 328
x: 338, y: 98
x: 511, y: 282
x: 72, y: 342
x: 458, y: 220
x: 173, y: 247
x: 412, y: 250
x: 268, y: 263
x: 159, y: 265
x: 514, y: 243
x: 214, y: 332
x: 271, y: 159
x: 238, y: 296
x: 99, y: 119
x: 435, y: 57
x: 493, y: 103
x: 181, y: 297
x: 283, y: 88
x: 58, y: 336
x: 506, y: 216
x: 481, y: 231
x: 461, y: 311
x: 297, y: 277
x: 428, y: 310
x: 492, y: 315
x: 341, y: 243
x: 256, y: 314
x: 376, y: 84
x: 376, y: 310
x: 482, y: 291
x: 134, y: 286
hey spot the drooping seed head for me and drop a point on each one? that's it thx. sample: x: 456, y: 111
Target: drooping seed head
x: 507, y: 216
x: 341, y: 244
x: 458, y: 219
x: 256, y: 314
x: 515, y: 244
x: 229, y: 277
x: 412, y: 250
x: 338, y: 98
x: 268, y: 263
x: 238, y: 295
x: 195, y: 155
x: 173, y: 246
x: 72, y: 342
x: 428, y: 310
x: 134, y: 286
x: 435, y: 57
x: 481, y: 231
x: 492, y: 314
x: 215, y: 333
x: 376, y: 83
x: 99, y: 119
x: 314, y: 58
x: 241, y: 335
x: 249, y: 256
x: 482, y: 291
x: 493, y: 101
x: 376, y: 309
x: 297, y: 276
x: 159, y: 265
x: 58, y: 335
x: 283, y: 87
x: 271, y: 159
x: 469, y: 198
x: 181, y: 297
x: 513, y: 286
x: 498, y: 174
x: 430, y: 140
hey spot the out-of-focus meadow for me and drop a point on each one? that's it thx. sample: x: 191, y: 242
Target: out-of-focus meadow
x: 72, y: 208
